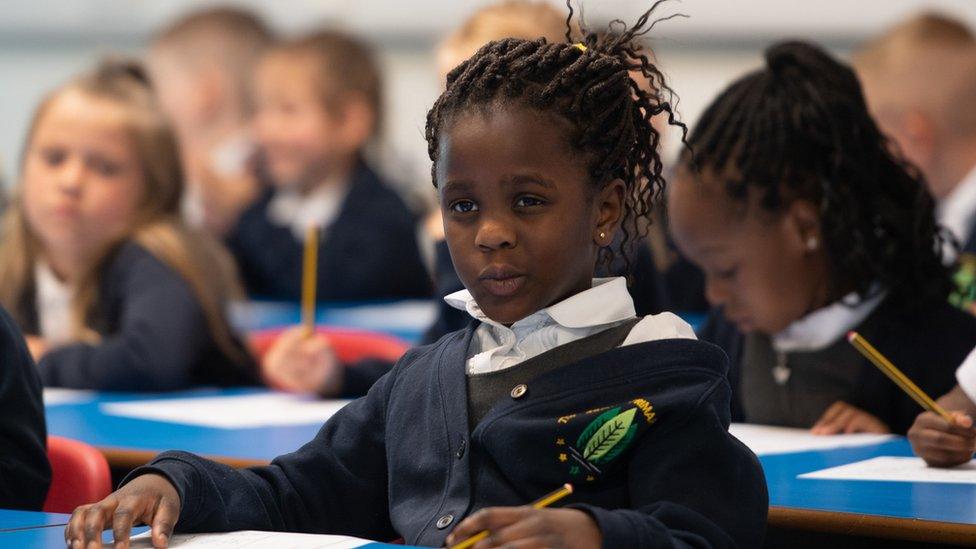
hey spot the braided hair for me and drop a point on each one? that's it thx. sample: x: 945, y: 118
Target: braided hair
x: 799, y: 129
x: 586, y: 82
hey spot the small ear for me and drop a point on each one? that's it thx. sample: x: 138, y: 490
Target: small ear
x: 919, y: 130
x: 609, y: 212
x: 802, y: 223
x: 211, y: 94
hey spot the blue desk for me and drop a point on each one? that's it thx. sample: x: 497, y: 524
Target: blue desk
x: 929, y: 512
x: 130, y: 442
x: 404, y: 319
x: 18, y: 520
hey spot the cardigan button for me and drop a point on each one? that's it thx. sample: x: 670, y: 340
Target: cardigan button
x: 444, y: 521
x: 460, y: 450
x: 519, y: 390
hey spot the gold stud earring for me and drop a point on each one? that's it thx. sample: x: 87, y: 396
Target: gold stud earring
x: 602, y: 235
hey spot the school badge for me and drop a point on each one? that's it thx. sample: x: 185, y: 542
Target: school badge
x: 963, y: 295
x: 606, y: 434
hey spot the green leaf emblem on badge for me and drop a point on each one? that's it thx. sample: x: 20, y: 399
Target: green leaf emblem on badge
x: 607, y: 435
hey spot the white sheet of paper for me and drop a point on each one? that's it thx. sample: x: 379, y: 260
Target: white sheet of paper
x: 767, y: 440
x: 898, y: 469
x: 231, y: 412
x: 54, y: 396
x: 252, y: 539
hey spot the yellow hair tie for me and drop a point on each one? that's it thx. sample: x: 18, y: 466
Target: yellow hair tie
x: 580, y: 47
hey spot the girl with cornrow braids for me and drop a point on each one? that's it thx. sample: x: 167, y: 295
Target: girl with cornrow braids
x: 542, y: 152
x: 808, y: 224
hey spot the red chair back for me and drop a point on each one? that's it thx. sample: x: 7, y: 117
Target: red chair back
x: 349, y: 345
x: 80, y: 475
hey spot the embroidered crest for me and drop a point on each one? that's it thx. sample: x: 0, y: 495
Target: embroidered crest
x: 604, y: 438
x: 964, y: 293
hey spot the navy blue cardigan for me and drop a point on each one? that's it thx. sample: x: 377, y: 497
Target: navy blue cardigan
x: 927, y: 343
x: 369, y: 252
x: 401, y: 461
x: 24, y: 470
x: 154, y: 334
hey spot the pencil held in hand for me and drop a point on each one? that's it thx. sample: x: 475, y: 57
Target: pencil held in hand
x: 896, y: 375
x: 544, y: 501
x: 310, y: 278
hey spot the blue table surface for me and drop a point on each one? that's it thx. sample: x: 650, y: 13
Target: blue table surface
x: 407, y: 319
x: 87, y: 422
x: 14, y: 520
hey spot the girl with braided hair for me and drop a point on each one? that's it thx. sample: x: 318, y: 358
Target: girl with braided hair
x: 808, y: 224
x: 542, y: 152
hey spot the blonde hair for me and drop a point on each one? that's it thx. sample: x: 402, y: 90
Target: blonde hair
x: 925, y: 62
x: 226, y: 38
x: 507, y: 19
x: 343, y: 65
x: 200, y: 261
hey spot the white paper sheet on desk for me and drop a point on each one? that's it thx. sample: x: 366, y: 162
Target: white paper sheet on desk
x: 898, y: 469
x: 231, y: 412
x: 255, y: 540
x: 766, y: 440
x: 54, y: 396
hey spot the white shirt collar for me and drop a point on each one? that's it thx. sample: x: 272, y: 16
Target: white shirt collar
x: 605, y: 303
x: 320, y: 207
x: 53, y: 305
x: 823, y: 327
x: 957, y: 210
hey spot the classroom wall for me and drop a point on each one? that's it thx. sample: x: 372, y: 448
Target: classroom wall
x: 43, y: 42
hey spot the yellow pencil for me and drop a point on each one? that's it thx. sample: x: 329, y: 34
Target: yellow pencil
x: 896, y: 375
x: 544, y: 501
x: 310, y: 278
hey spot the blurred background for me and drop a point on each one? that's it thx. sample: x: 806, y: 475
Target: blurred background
x: 43, y: 42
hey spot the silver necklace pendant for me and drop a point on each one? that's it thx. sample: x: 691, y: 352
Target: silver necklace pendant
x: 781, y: 372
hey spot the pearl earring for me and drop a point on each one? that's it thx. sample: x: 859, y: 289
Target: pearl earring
x: 602, y: 235
x: 812, y: 243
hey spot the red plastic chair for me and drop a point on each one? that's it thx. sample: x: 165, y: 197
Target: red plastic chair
x: 80, y: 475
x: 349, y: 345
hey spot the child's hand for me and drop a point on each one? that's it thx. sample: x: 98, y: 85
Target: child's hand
x: 149, y: 499
x: 223, y: 198
x: 529, y: 527
x: 303, y: 363
x: 842, y: 418
x: 36, y: 346
x: 940, y: 443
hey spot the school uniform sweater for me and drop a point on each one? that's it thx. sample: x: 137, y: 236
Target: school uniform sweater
x: 927, y: 343
x: 25, y: 473
x: 641, y: 431
x: 154, y: 335
x: 369, y: 251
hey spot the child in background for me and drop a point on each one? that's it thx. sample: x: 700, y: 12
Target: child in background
x: 537, y: 148
x: 95, y: 265
x: 318, y: 106
x: 919, y: 80
x: 808, y: 225
x: 201, y: 66
x: 25, y: 473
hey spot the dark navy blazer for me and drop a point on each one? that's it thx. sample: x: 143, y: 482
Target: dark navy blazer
x: 640, y: 430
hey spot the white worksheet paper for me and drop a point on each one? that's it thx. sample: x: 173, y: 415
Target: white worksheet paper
x: 898, y: 469
x: 767, y: 440
x: 231, y: 412
x: 251, y: 539
x: 54, y: 396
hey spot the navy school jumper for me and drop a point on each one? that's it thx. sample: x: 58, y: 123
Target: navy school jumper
x: 640, y: 430
x: 369, y: 252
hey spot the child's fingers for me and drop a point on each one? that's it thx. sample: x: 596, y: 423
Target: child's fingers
x: 943, y: 440
x: 96, y: 518
x: 963, y: 424
x: 527, y: 543
x: 491, y: 518
x: 74, y: 533
x: 129, y: 510
x: 163, y: 522
x: 826, y: 425
x: 937, y: 457
x: 532, y: 525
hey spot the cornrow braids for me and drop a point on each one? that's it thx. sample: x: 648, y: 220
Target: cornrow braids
x: 799, y: 129
x: 588, y: 83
